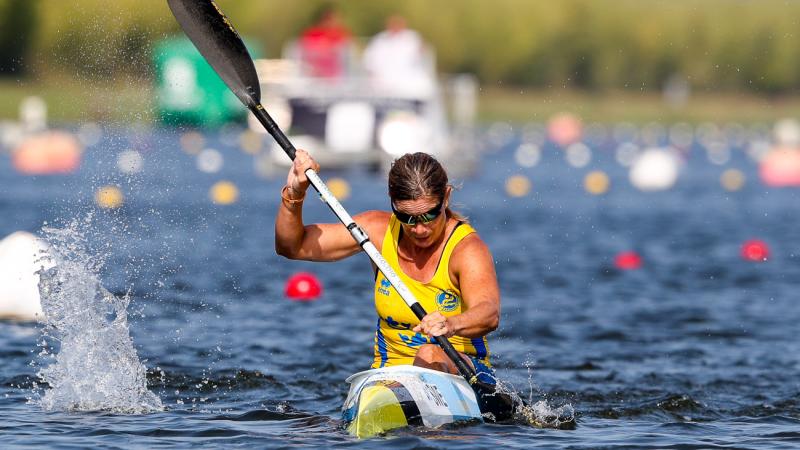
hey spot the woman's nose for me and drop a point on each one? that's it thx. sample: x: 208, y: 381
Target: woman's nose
x: 418, y: 228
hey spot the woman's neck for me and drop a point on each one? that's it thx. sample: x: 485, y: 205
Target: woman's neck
x: 420, y: 255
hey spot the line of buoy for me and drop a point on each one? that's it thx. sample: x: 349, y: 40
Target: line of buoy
x: 753, y: 250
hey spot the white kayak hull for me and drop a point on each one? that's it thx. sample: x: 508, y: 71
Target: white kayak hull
x: 394, y: 397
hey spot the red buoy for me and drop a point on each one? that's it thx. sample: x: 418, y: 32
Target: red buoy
x: 755, y: 250
x: 629, y: 260
x: 303, y: 286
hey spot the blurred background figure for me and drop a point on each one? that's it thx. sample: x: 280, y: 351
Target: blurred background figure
x: 396, y: 58
x: 325, y: 46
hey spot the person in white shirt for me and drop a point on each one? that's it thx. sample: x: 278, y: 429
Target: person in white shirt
x: 395, y: 59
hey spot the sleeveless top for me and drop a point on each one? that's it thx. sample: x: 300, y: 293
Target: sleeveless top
x: 395, y: 343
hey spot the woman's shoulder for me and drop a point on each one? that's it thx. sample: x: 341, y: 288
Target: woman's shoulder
x: 374, y: 222
x: 374, y: 216
x: 470, y: 255
x: 470, y: 246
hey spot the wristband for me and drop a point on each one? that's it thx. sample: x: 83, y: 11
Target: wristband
x: 291, y: 201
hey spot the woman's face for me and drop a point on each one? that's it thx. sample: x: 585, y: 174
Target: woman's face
x: 423, y: 234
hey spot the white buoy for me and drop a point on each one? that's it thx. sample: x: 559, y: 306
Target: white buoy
x: 130, y: 162
x: 21, y: 256
x: 528, y: 155
x: 787, y: 132
x: 210, y: 161
x: 578, y: 155
x: 626, y: 153
x: 654, y: 170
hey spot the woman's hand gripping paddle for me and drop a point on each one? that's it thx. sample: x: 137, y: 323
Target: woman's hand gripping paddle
x: 219, y: 43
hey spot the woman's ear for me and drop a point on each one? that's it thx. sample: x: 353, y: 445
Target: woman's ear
x: 447, y: 193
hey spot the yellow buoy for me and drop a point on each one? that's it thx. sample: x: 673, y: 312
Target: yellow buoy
x: 732, y: 179
x: 339, y: 187
x: 224, y: 193
x: 518, y: 185
x: 596, y: 182
x: 250, y: 142
x: 109, y: 197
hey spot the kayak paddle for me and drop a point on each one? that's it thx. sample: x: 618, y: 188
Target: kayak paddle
x: 219, y: 43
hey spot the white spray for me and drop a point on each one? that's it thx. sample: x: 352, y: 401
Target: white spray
x: 94, y: 365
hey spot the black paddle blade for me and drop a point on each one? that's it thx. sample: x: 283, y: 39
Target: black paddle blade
x: 219, y: 43
x: 497, y: 406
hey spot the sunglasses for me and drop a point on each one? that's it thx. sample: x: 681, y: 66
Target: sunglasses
x: 426, y: 217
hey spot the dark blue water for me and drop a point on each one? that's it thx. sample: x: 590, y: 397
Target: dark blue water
x: 697, y: 349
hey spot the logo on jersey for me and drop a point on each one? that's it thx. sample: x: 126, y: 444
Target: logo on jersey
x: 397, y: 325
x: 384, y: 287
x: 416, y: 340
x: 447, y: 301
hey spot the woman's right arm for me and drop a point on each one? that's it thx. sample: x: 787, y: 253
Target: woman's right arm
x: 316, y: 242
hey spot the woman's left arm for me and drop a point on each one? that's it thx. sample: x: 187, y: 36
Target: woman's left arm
x: 473, y: 266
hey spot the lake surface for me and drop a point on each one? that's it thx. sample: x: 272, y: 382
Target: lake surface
x: 696, y: 349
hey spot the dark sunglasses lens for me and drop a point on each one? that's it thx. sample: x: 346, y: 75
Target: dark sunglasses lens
x: 424, y: 218
x: 405, y: 218
x: 430, y: 216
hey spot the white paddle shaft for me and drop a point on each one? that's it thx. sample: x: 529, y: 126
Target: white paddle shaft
x: 360, y: 237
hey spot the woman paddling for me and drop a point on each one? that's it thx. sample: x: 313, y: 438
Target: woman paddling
x: 436, y: 253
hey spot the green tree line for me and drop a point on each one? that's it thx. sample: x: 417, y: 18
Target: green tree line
x: 742, y: 45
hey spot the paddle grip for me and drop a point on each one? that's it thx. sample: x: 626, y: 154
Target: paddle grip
x: 463, y: 368
x: 273, y: 129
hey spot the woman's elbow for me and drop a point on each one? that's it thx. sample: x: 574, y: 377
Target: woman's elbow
x: 493, y: 322
x: 285, y: 251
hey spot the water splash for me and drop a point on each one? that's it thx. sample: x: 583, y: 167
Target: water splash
x: 93, y: 365
x: 541, y: 414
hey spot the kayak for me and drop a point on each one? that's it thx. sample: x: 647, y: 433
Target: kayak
x: 399, y: 396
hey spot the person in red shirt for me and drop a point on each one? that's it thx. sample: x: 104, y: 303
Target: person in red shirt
x: 324, y: 47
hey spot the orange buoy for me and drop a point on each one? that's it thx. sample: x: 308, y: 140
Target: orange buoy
x: 51, y: 152
x: 303, y: 286
x: 755, y: 250
x: 629, y: 260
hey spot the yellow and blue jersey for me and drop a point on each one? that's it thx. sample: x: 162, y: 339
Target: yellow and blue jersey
x: 395, y: 342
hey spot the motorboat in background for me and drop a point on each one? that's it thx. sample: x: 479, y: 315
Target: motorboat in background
x: 354, y: 118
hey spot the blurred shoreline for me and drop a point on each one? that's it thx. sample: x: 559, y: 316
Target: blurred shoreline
x: 133, y: 101
x: 529, y: 105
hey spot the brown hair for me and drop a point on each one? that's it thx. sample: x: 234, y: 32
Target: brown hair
x: 417, y: 175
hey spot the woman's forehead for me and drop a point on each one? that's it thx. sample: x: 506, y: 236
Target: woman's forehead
x: 417, y: 206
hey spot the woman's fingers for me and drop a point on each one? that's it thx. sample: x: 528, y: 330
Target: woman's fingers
x: 297, y: 179
x: 434, y: 324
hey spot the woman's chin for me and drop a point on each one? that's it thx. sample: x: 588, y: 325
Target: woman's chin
x: 422, y: 242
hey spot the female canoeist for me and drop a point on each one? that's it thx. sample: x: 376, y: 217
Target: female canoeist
x: 436, y: 253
